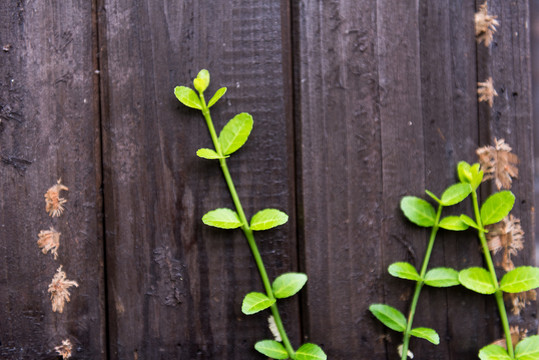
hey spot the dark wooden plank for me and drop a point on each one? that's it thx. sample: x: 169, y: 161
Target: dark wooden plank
x: 175, y: 285
x: 49, y: 129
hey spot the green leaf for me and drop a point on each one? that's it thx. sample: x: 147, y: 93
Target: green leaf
x: 455, y: 194
x: 218, y: 94
x: 222, y: 218
x: 523, y: 278
x: 418, y: 211
x: 310, y: 352
x: 202, y: 80
x: 209, y: 154
x: 235, y: 133
x: 442, y: 277
x: 267, y: 219
x: 188, y: 97
x: 255, y: 302
x: 468, y: 221
x: 477, y: 279
x: 272, y: 349
x: 528, y: 349
x: 464, y: 172
x: 288, y: 284
x: 454, y: 223
x: 434, y: 197
x: 477, y: 175
x: 493, y: 352
x: 404, y: 270
x: 427, y: 334
x: 389, y: 316
x: 496, y: 207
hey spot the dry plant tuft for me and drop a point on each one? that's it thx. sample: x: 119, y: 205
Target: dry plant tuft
x: 516, y: 336
x: 507, y: 235
x: 520, y: 300
x: 59, y: 290
x: 486, y: 91
x: 498, y: 163
x: 49, y: 240
x: 54, y: 203
x: 64, y: 350
x: 485, y: 25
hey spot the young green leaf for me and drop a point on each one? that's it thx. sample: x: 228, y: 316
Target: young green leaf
x: 477, y: 175
x: 434, y: 197
x: 455, y: 194
x: 523, y: 278
x: 528, y: 349
x: 255, y: 302
x: 272, y: 349
x: 188, y: 97
x: 468, y: 221
x: 208, y: 154
x: 453, y: 223
x: 427, y: 334
x: 418, y: 211
x: 389, y: 316
x: 464, y: 172
x: 404, y: 270
x: 477, y: 279
x: 310, y: 351
x: 442, y: 277
x: 218, y: 94
x: 267, y: 219
x: 496, y: 207
x: 202, y: 80
x: 288, y: 284
x: 222, y: 218
x: 235, y: 133
x: 493, y: 352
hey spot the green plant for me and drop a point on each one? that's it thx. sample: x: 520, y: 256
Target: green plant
x: 231, y: 138
x: 422, y: 213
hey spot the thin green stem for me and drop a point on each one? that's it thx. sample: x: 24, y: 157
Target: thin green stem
x: 419, y: 285
x: 247, y: 231
x: 498, y: 294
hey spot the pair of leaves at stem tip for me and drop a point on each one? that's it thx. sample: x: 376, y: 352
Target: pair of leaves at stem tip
x: 233, y: 136
x: 224, y: 218
x: 283, y: 286
x: 518, y: 280
x: 437, y: 277
x: 527, y: 349
x: 470, y: 174
x: 395, y: 320
x: 276, y: 350
x: 190, y: 98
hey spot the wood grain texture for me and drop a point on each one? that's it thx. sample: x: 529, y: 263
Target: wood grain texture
x: 176, y: 286
x: 49, y: 130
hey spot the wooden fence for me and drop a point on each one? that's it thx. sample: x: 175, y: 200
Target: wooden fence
x: 356, y: 104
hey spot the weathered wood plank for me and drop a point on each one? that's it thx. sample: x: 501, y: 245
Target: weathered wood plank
x: 175, y: 285
x: 49, y: 130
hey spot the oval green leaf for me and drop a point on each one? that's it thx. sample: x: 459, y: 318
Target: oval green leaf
x: 235, y: 133
x: 288, y: 284
x: 267, y: 219
x: 404, y: 270
x: 528, y: 349
x: 523, y: 278
x: 442, y: 277
x: 255, y: 302
x: 310, y: 351
x: 477, y: 279
x: 188, y: 97
x: 272, y: 349
x: 464, y: 172
x: 208, y: 154
x: 218, y: 94
x: 222, y: 218
x: 455, y: 194
x: 493, y: 352
x: 454, y: 223
x: 427, y: 334
x: 468, y: 221
x: 418, y: 211
x: 389, y: 316
x: 202, y: 80
x: 496, y: 207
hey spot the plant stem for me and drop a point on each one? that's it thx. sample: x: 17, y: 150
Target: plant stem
x: 419, y: 285
x: 247, y: 230
x: 488, y: 259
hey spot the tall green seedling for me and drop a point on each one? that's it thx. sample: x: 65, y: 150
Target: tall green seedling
x: 231, y: 138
